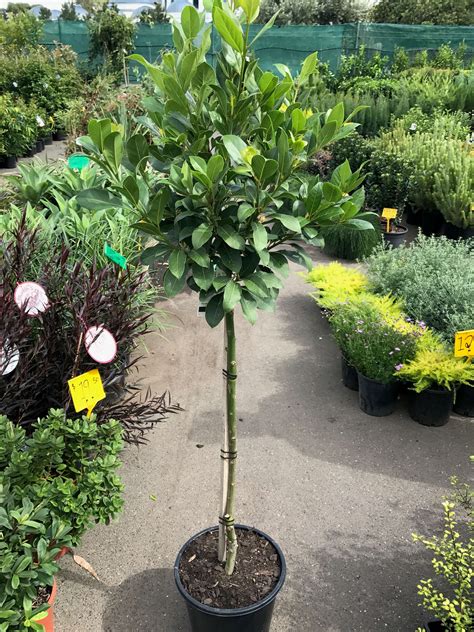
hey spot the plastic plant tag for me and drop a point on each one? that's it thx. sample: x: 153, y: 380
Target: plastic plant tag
x: 78, y: 161
x: 389, y: 213
x: 100, y: 344
x: 9, y: 358
x: 32, y: 297
x: 464, y: 344
x: 115, y: 256
x: 86, y: 390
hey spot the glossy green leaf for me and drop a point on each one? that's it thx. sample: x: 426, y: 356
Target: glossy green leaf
x: 190, y: 22
x: 215, y: 166
x: 234, y: 146
x: 231, y: 237
x: 203, y: 276
x: 249, y: 309
x: 230, y: 258
x: 97, y: 199
x: 289, y: 221
x: 260, y: 237
x: 113, y: 149
x: 200, y: 257
x: 99, y: 130
x: 172, y: 285
x: 137, y: 149
x: 232, y: 294
x: 228, y: 29
x: 215, y: 310
x: 256, y: 285
x: 177, y: 262
x: 201, y: 235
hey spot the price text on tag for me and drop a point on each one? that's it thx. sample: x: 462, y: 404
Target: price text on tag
x: 115, y: 256
x: 464, y: 343
x: 86, y: 390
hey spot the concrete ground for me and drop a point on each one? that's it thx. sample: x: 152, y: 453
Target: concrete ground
x: 339, y: 490
x: 51, y: 153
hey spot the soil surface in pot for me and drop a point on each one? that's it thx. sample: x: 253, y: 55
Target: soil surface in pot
x: 42, y: 596
x: 256, y: 573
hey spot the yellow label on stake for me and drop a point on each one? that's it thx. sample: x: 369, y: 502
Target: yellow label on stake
x: 464, y: 344
x: 86, y: 390
x: 389, y: 213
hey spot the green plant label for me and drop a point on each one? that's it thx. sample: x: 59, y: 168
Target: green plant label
x: 78, y: 161
x: 115, y: 256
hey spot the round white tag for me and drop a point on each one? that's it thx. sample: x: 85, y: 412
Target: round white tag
x: 9, y: 357
x: 32, y: 297
x: 100, y: 344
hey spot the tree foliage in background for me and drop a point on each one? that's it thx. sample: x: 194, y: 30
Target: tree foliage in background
x: 313, y: 11
x: 44, y: 14
x: 424, y: 12
x: 20, y: 30
x: 155, y: 15
x: 111, y: 37
x: 68, y: 12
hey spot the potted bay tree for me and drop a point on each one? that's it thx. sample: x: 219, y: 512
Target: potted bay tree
x: 221, y: 192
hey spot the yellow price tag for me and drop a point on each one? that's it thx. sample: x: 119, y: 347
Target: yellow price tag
x: 86, y: 390
x: 464, y: 343
x: 389, y: 213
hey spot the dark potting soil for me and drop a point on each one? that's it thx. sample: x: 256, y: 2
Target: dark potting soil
x: 256, y: 573
x: 42, y: 596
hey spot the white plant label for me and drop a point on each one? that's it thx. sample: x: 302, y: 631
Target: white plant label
x: 100, y: 344
x: 32, y: 297
x: 9, y: 358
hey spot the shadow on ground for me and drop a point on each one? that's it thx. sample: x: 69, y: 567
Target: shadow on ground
x: 146, y: 602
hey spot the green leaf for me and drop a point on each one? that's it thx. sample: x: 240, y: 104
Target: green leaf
x: 279, y: 263
x: 263, y: 168
x: 130, y: 190
x: 98, y: 199
x: 289, y: 221
x: 336, y: 115
x: 201, y: 235
x: 232, y: 294
x: 231, y: 237
x: 172, y: 285
x: 228, y: 29
x: 260, y: 237
x: 113, y: 150
x: 249, y: 309
x: 200, y: 257
x: 215, y: 166
x: 177, y: 263
x: 230, y: 258
x: 331, y: 192
x: 265, y: 27
x: 15, y: 581
x: 203, y: 276
x: 251, y: 8
x: 137, y: 149
x: 256, y: 285
x: 99, y: 130
x: 309, y: 67
x: 360, y: 224
x: 149, y: 255
x: 175, y: 92
x: 215, y: 310
x: 244, y: 211
x: 234, y: 146
x: 190, y: 22
x: 314, y: 198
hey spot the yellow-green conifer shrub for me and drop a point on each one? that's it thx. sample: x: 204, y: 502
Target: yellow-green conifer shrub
x: 335, y: 284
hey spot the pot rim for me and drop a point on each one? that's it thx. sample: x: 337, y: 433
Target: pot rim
x: 231, y: 612
x: 371, y: 379
x: 398, y: 232
x: 52, y: 596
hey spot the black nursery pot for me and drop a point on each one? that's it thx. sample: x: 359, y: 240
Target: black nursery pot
x: 464, y: 404
x: 435, y: 626
x: 10, y: 162
x: 431, y: 223
x: 39, y: 146
x: 59, y: 134
x: 350, y: 378
x: 48, y: 140
x: 396, y: 239
x: 413, y: 217
x: 254, y: 618
x: 431, y: 407
x: 375, y: 398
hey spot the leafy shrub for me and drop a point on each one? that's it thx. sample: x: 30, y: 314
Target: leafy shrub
x: 436, y: 368
x: 369, y: 341
x: 335, y: 284
x: 452, y: 553
x: 155, y: 15
x: 68, y: 12
x: 20, y: 30
x: 423, y: 12
x: 434, y: 277
x: 312, y: 11
x: 31, y: 538
x: 49, y: 344
x: 111, y: 37
x: 68, y: 465
x: 18, y: 126
x: 347, y: 243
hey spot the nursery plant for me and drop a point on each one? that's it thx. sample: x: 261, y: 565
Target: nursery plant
x: 230, y: 208
x: 448, y: 595
x: 335, y: 284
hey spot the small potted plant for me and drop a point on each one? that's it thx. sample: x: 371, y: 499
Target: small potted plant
x: 228, y: 211
x: 375, y: 346
x: 451, y: 601
x: 434, y: 375
x: 59, y: 130
x: 32, y: 538
x: 393, y: 231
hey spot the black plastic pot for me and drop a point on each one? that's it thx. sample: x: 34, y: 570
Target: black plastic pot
x: 435, y: 626
x: 431, y: 407
x: 431, y: 223
x: 375, y: 398
x: 464, y: 402
x: 31, y: 152
x: 395, y: 239
x: 59, y: 134
x: 254, y: 618
x: 48, y: 140
x: 350, y: 378
x: 39, y: 146
x: 413, y: 217
x: 10, y: 162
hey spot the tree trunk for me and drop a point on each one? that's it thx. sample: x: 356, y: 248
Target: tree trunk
x: 227, y: 537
